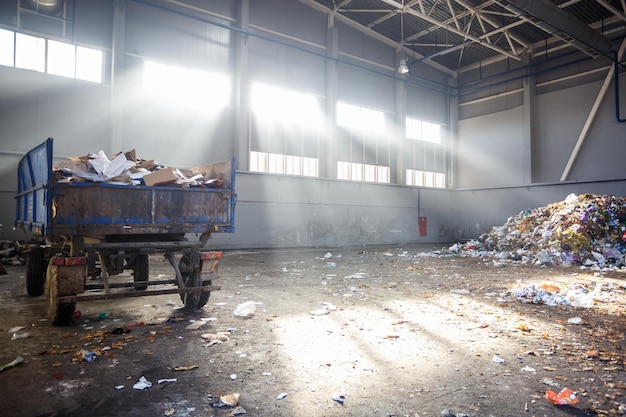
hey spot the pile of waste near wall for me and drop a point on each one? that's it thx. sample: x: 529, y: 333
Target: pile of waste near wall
x: 587, y: 230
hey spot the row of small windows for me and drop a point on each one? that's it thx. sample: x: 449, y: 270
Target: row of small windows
x: 46, y: 55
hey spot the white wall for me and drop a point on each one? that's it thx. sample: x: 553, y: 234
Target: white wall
x: 490, y: 150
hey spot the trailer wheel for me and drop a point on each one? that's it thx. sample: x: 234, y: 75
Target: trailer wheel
x: 141, y: 271
x: 36, y: 271
x: 59, y: 314
x: 195, y: 300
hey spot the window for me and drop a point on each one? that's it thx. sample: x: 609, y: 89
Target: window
x: 362, y: 172
x: 283, y: 164
x: 7, y: 47
x: 61, y: 59
x: 425, y: 178
x: 423, y: 154
x: 285, y: 131
x: 88, y: 64
x: 30, y: 52
x: 188, y: 87
x: 273, y: 104
x: 50, y: 56
x: 362, y: 148
x: 421, y: 130
x: 360, y: 118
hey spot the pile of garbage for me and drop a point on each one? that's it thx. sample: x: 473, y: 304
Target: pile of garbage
x: 126, y: 169
x: 587, y: 230
x: 12, y: 252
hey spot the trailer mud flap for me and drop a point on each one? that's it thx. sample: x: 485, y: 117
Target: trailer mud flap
x: 70, y: 274
x: 210, y: 262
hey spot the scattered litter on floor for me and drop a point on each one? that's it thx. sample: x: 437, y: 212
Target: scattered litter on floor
x: 164, y: 380
x: 11, y: 364
x: 339, y: 397
x: 17, y: 336
x: 575, y: 294
x: 215, y: 338
x: 16, y: 329
x: 230, y: 400
x: 238, y: 411
x: 282, y: 396
x: 142, y: 384
x: 185, y: 368
x: 564, y: 397
x: 85, y: 355
x: 497, y: 359
x: 245, y: 310
x: 196, y: 325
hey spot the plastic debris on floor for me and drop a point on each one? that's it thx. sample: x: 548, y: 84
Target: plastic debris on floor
x: 586, y: 230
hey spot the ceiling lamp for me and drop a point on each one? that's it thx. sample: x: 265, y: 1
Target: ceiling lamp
x: 403, y: 68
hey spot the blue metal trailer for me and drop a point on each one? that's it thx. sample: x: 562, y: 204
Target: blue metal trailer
x: 98, y: 230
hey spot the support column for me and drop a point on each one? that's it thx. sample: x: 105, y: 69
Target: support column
x: 452, y: 144
x: 328, y: 167
x: 116, y: 73
x: 528, y: 123
x: 241, y: 144
x: 399, y: 133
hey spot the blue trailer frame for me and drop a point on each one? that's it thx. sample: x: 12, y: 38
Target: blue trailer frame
x: 102, y: 229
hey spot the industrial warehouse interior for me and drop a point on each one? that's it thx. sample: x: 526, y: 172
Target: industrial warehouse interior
x: 312, y: 208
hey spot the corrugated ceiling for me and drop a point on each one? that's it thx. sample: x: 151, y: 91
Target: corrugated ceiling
x: 456, y: 35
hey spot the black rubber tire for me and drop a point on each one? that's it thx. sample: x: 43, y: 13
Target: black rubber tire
x: 36, y: 265
x: 141, y: 271
x: 59, y: 314
x: 195, y: 300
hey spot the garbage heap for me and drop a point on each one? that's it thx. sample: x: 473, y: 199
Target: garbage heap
x: 126, y: 169
x: 587, y: 230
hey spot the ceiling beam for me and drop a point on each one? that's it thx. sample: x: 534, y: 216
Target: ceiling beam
x: 434, y: 21
x: 369, y: 32
x: 554, y: 17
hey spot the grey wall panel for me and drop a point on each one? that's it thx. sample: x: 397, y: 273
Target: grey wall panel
x: 275, y: 211
x: 560, y: 118
x: 75, y: 112
x: 178, y: 137
x: 492, y: 105
x: 426, y: 105
x: 284, y: 66
x: 176, y: 39
x: 489, y: 150
x: 93, y: 22
x: 290, y: 18
x: 361, y: 87
x: 356, y: 43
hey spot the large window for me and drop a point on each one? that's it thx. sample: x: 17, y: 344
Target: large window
x: 422, y: 130
x: 423, y: 154
x: 283, y: 164
x: 362, y: 172
x: 285, y: 131
x: 362, y: 148
x: 360, y: 118
x: 425, y: 178
x: 192, y: 88
x: 53, y: 57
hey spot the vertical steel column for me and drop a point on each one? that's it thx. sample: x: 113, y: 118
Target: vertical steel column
x: 242, y: 86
